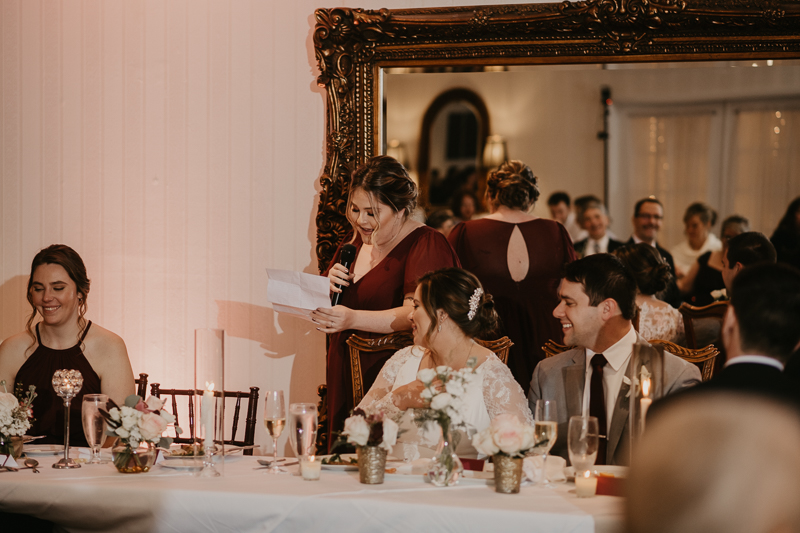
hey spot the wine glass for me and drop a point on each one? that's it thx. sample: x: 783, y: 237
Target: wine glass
x: 303, y: 428
x: 274, y: 420
x: 67, y: 383
x: 94, y: 425
x: 582, y: 442
x: 546, y: 430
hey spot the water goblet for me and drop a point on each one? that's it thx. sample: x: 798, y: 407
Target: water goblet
x: 582, y: 442
x: 67, y: 383
x: 94, y: 425
x: 274, y: 421
x: 546, y: 430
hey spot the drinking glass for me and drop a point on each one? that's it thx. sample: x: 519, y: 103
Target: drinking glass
x: 303, y: 428
x: 546, y: 431
x: 582, y: 442
x: 274, y: 420
x: 94, y: 425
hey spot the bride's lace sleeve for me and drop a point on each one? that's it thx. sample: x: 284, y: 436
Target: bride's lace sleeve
x: 379, y: 397
x: 501, y: 392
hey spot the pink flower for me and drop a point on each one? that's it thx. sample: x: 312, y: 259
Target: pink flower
x: 154, y: 404
x: 508, y: 433
x: 151, y: 426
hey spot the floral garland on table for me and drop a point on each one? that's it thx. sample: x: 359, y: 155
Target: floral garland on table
x: 15, y: 415
x: 506, y: 435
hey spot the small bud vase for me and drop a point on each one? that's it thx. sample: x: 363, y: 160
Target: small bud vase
x: 133, y: 460
x: 371, y: 464
x: 507, y: 473
x: 10, y: 446
x: 445, y: 467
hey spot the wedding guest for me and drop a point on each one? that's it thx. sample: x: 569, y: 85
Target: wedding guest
x: 598, y: 302
x: 744, y: 250
x: 518, y: 258
x: 62, y: 338
x: 786, y: 237
x: 698, y: 221
x: 657, y: 319
x: 593, y: 218
x: 450, y: 311
x: 392, y: 252
x: 648, y: 215
x: 705, y: 275
x: 731, y: 465
x: 464, y: 205
x: 442, y: 220
x: 560, y: 206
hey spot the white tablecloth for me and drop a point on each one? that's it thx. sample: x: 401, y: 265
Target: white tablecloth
x: 98, y: 498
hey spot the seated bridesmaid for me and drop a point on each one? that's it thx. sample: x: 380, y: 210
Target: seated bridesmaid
x: 444, y: 328
x: 657, y: 319
x: 63, y: 339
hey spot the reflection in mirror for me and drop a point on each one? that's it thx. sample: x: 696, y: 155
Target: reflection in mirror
x: 727, y: 133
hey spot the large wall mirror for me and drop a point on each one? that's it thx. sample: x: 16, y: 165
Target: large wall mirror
x: 680, y: 73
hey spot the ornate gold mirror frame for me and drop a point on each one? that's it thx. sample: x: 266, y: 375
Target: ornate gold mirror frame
x: 352, y: 45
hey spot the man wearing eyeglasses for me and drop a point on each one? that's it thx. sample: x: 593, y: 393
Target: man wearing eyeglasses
x: 647, y: 218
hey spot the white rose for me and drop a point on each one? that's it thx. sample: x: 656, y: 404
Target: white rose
x: 357, y: 430
x: 455, y: 388
x: 484, y: 443
x: 440, y: 401
x: 390, y: 429
x: 442, y: 369
x: 426, y: 394
x: 122, y: 432
x: 154, y: 403
x: 8, y: 402
x: 426, y: 375
x: 151, y: 426
x: 528, y: 438
x: 114, y: 414
x: 508, y: 433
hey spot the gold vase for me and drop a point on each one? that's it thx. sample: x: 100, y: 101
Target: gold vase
x: 507, y: 473
x: 371, y: 464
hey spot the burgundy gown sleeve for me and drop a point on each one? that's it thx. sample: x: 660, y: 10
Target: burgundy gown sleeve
x: 430, y: 252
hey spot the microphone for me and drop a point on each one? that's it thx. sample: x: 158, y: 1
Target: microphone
x: 346, y: 258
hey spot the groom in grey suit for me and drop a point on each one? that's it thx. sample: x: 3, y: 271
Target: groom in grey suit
x: 598, y: 303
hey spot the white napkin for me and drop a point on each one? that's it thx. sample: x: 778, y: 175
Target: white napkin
x: 5, y: 460
x: 532, y: 468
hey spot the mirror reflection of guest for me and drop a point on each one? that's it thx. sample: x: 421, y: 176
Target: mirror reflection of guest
x: 705, y: 275
x: 57, y: 291
x: 518, y: 258
x: 393, y: 251
x: 786, y: 238
x: 464, y: 205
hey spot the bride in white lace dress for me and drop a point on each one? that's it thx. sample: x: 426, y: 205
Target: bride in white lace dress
x: 445, y: 326
x: 657, y: 319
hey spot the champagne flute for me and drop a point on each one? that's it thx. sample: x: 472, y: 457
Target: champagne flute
x: 94, y: 425
x: 546, y: 431
x: 582, y: 442
x: 303, y: 428
x: 274, y: 420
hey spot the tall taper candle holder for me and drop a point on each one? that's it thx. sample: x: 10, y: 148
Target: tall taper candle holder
x: 67, y: 383
x: 209, y: 376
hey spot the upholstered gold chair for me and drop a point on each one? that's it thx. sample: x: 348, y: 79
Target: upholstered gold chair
x: 703, y: 357
x: 397, y: 341
x: 188, y: 435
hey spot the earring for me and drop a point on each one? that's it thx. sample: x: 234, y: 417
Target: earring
x: 440, y: 328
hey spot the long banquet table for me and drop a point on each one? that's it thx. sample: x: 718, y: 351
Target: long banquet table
x: 98, y: 498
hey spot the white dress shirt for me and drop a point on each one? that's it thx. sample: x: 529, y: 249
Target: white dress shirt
x: 617, y: 356
x: 757, y: 359
x: 596, y: 247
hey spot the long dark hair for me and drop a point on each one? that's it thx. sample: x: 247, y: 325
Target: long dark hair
x: 61, y: 254
x: 788, y: 224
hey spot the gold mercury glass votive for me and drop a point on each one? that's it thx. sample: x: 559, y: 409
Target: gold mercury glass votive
x: 507, y: 474
x: 371, y: 464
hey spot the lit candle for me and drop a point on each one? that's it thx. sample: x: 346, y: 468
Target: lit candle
x: 645, y: 402
x: 310, y: 468
x: 585, y: 484
x: 207, y: 414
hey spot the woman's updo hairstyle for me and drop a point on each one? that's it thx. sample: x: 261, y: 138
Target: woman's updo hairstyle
x: 61, y: 254
x: 512, y: 185
x: 384, y: 178
x: 450, y: 290
x: 651, y: 272
x: 706, y: 213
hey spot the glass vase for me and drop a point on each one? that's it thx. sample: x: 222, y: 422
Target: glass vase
x: 507, y: 473
x: 371, y: 464
x: 130, y: 460
x: 445, y: 467
x: 10, y: 446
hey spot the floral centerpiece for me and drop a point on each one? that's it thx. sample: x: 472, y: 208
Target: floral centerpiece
x: 506, y: 440
x: 138, y: 422
x: 15, y: 416
x: 374, y: 435
x: 446, y: 390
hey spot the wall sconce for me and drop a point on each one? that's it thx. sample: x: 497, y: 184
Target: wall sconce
x: 398, y: 150
x: 495, y: 152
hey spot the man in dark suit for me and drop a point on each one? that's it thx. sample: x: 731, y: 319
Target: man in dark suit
x: 598, y: 301
x: 594, y: 219
x: 760, y: 333
x: 745, y: 249
x: 648, y: 214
